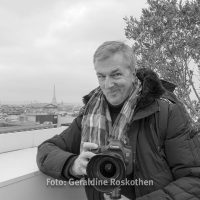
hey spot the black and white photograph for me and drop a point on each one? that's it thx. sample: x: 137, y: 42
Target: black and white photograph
x: 100, y: 100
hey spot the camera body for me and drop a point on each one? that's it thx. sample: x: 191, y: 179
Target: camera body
x: 111, y: 163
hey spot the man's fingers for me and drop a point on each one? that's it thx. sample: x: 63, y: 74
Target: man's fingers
x: 83, y: 166
x: 87, y: 155
x: 87, y: 146
x: 84, y: 171
x: 84, y: 163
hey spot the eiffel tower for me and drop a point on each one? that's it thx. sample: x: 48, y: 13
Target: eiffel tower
x: 54, y: 96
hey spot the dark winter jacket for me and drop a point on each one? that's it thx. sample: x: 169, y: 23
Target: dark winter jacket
x: 167, y: 154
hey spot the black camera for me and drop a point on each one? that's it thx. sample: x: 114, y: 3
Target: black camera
x: 110, y: 166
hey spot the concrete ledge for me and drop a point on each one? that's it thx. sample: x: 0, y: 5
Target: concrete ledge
x: 26, y: 139
x: 19, y: 175
x: 33, y: 186
x: 17, y: 163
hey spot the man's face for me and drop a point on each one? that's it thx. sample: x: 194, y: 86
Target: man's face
x: 115, y: 78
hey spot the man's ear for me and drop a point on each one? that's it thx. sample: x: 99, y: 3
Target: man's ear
x: 134, y: 78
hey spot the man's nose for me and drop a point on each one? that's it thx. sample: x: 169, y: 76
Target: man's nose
x: 108, y: 83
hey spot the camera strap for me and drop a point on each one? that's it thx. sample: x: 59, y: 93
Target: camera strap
x: 162, y: 119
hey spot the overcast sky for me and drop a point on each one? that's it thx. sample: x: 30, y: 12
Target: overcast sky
x: 47, y: 42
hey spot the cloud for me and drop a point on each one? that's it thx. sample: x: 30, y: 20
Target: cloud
x: 52, y: 42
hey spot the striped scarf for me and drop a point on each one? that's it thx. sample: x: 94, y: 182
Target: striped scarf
x: 96, y: 123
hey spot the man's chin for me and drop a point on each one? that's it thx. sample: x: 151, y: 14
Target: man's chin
x: 114, y: 102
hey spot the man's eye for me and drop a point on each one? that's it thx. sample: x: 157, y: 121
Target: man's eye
x: 100, y: 77
x: 116, y: 75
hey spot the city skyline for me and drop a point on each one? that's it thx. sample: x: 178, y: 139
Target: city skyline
x: 43, y: 43
x: 53, y: 100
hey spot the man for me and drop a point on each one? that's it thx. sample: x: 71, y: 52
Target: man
x: 128, y: 107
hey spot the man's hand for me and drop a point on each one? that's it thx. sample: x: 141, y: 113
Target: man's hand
x: 107, y: 197
x: 80, y: 164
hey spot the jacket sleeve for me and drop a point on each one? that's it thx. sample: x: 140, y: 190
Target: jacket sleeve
x: 55, y: 155
x: 182, y: 151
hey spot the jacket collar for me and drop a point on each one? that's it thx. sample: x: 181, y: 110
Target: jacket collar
x: 146, y: 111
x: 152, y: 89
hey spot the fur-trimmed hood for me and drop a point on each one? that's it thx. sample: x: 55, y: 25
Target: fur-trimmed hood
x: 152, y: 87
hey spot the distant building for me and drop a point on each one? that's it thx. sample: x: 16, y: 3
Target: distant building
x: 54, y: 96
x: 30, y: 117
x: 50, y: 108
x: 42, y: 118
x: 64, y: 119
x: 45, y: 119
x: 36, y: 113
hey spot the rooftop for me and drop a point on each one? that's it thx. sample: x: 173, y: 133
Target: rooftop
x: 19, y: 175
x: 18, y: 151
x: 17, y: 163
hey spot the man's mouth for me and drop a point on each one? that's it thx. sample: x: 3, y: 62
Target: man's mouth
x: 114, y: 92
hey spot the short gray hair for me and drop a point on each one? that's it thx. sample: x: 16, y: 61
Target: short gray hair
x: 109, y: 48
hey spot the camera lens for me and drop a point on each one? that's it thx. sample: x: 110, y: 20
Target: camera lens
x: 107, y: 169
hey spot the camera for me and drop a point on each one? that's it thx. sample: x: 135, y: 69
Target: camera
x: 110, y: 165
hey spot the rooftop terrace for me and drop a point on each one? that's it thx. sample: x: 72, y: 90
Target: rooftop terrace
x: 20, y: 178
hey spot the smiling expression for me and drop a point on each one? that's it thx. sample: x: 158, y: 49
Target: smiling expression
x: 115, y: 78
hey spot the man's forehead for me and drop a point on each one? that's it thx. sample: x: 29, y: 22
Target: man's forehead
x: 112, y: 69
x: 115, y: 61
x: 117, y: 55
